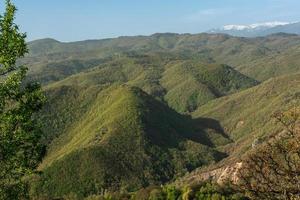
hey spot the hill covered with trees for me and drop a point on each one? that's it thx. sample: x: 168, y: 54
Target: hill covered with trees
x: 186, y: 112
x: 166, y: 116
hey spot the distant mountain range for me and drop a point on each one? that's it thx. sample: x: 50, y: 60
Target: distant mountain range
x: 259, y: 29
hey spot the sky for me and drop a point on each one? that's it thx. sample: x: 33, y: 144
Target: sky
x: 73, y: 20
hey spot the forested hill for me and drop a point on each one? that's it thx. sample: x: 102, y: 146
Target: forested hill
x: 260, y: 58
x: 126, y: 113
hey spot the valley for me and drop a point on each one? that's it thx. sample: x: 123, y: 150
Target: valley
x: 154, y: 108
x: 127, y: 113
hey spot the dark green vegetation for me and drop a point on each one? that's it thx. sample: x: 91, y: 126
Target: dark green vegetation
x: 205, y: 191
x: 246, y: 118
x: 20, y: 147
x: 105, y: 134
x: 126, y: 113
x: 124, y: 139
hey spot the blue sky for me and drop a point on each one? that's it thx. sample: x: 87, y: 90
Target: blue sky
x: 71, y: 20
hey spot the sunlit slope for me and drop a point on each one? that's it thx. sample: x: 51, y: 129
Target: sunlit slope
x: 247, y: 118
x: 191, y: 84
x: 247, y: 115
x: 184, y: 85
x: 125, y: 139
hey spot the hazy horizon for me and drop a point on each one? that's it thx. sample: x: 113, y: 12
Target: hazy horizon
x: 65, y: 21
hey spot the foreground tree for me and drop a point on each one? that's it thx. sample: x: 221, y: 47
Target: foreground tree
x: 272, y: 171
x: 20, y: 151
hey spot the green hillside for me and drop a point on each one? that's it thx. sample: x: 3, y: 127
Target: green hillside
x: 184, y: 85
x: 260, y: 58
x: 246, y: 116
x: 191, y: 84
x: 160, y: 117
x: 126, y: 113
x: 124, y: 139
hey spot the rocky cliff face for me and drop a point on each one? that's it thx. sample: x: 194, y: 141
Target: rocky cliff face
x: 222, y: 175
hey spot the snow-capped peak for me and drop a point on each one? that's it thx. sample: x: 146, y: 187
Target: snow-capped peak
x: 254, y: 26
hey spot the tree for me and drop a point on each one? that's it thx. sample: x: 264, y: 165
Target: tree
x: 20, y: 150
x: 272, y: 171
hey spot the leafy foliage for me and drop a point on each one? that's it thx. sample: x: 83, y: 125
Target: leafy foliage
x: 20, y: 151
x: 12, y: 42
x: 204, y: 191
x: 272, y: 169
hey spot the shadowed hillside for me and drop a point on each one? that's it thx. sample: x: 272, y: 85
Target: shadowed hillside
x: 124, y: 139
x: 127, y: 113
x: 160, y: 117
x: 247, y: 118
x: 248, y: 113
